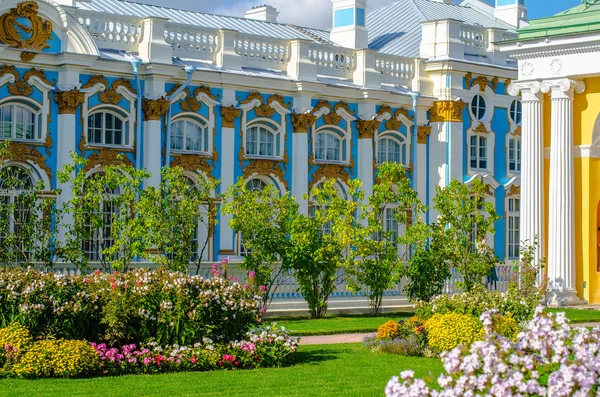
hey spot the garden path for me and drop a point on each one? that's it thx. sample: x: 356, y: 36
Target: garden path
x: 333, y: 339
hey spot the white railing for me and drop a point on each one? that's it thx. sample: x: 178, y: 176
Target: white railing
x: 474, y: 38
x: 333, y: 61
x: 395, y: 70
x: 188, y: 40
x: 111, y: 31
x: 504, y: 273
x: 260, y: 51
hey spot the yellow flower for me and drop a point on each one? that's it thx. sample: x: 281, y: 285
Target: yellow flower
x: 446, y: 331
x: 388, y: 330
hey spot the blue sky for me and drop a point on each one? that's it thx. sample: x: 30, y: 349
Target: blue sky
x: 317, y: 13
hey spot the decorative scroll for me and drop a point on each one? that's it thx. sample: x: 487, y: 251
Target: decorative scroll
x: 9, y: 69
x: 495, y: 83
x: 481, y: 129
x: 25, y: 153
x: 229, y: 114
x: 482, y: 82
x: 302, y: 122
x: 20, y: 88
x: 106, y: 157
x: 451, y: 111
x: 94, y: 80
x: 32, y: 36
x: 154, y: 109
x: 264, y: 109
x: 192, y: 162
x: 469, y: 80
x: 402, y: 111
x: 514, y: 191
x: 422, y: 133
x: 110, y: 94
x: 27, y: 56
x: 489, y: 190
x: 69, y: 101
x: 385, y: 109
x: 517, y: 131
x: 329, y: 171
x: 40, y: 74
x: 265, y: 167
x: 366, y: 128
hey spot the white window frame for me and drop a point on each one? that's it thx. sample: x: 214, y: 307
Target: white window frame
x: 478, y: 107
x: 204, y: 127
x: 512, y: 115
x: 277, y: 141
x: 515, y: 232
x: 341, y: 135
x: 126, y: 142
x: 37, y: 136
x: 476, y: 124
x: 394, y: 136
x: 518, y: 150
x: 478, y: 157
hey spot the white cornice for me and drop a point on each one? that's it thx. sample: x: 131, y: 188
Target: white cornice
x: 553, y: 46
x: 580, y: 152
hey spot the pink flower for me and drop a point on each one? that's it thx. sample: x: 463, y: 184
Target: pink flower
x: 251, y: 274
x: 263, y: 288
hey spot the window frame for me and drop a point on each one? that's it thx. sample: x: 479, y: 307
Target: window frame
x: 515, y: 231
x: 36, y: 113
x: 402, y: 143
x: 518, y: 150
x: 117, y: 115
x: 338, y: 134
x: 478, y: 158
x: 206, y: 139
x: 480, y: 106
x: 516, y: 115
x: 276, y: 141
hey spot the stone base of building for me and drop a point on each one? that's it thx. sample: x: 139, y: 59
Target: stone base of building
x: 563, y: 298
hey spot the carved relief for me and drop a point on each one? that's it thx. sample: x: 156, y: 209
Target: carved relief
x: 402, y: 111
x: 385, y: 109
x: 68, y: 101
x: 302, y: 122
x: 329, y: 171
x: 517, y: 131
x: 265, y: 167
x: 95, y: 79
x: 192, y: 162
x: 25, y: 153
x: 154, y: 109
x: 469, y: 79
x: 482, y: 82
x: 191, y: 103
x: 366, y: 128
x: 422, y: 133
x: 229, y: 114
x: 252, y: 96
x: 495, y: 83
x: 32, y: 36
x: 9, y: 69
x: 481, y: 129
x: 20, y: 88
x: 489, y: 190
x: 27, y: 56
x: 514, y: 191
x: 40, y: 74
x: 393, y: 124
x: 507, y: 83
x: 106, y: 157
x: 451, y: 111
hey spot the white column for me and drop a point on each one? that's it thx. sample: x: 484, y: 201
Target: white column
x: 302, y: 121
x: 532, y: 164
x: 228, y: 115
x: 366, y: 135
x: 153, y: 112
x: 561, y: 242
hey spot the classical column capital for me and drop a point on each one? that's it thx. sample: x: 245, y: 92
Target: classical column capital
x: 529, y: 90
x: 366, y: 128
x: 422, y: 133
x: 68, y: 101
x: 229, y: 114
x: 303, y: 121
x: 451, y: 111
x: 562, y: 88
x: 154, y: 109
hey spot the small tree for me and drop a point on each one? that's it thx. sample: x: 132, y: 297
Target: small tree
x: 459, y: 235
x: 262, y: 219
x: 319, y: 242
x: 172, y: 213
x: 427, y: 273
x: 377, y: 263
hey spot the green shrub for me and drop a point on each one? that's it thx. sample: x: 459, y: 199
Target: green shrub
x: 446, y: 331
x: 427, y: 273
x: 58, y: 359
x: 133, y: 307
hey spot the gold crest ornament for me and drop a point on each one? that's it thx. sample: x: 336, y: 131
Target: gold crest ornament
x: 22, y: 27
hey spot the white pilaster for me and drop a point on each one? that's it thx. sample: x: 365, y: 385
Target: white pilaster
x: 420, y: 163
x: 226, y: 237
x: 366, y: 111
x: 302, y: 105
x: 561, y: 242
x: 152, y: 147
x: 532, y: 164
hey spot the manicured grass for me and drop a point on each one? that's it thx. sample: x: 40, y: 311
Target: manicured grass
x: 342, y: 324
x: 579, y: 315
x: 322, y: 370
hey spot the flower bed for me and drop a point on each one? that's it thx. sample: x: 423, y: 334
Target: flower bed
x: 551, y: 358
x: 134, y: 307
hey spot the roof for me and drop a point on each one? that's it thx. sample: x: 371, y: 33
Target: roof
x: 396, y: 29
x: 192, y: 18
x: 584, y: 18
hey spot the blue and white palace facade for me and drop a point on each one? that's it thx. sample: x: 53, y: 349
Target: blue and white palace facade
x: 419, y: 82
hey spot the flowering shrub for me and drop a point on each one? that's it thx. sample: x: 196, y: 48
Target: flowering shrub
x: 388, y: 330
x: 14, y: 342
x: 136, y: 306
x: 409, y: 346
x: 446, y: 331
x: 551, y: 358
x: 58, y: 358
x: 478, y: 301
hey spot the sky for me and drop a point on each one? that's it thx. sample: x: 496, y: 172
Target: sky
x: 317, y: 13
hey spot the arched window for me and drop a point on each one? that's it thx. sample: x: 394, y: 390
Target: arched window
x: 261, y: 141
x: 479, y: 152
x: 17, y: 122
x: 106, y: 128
x: 256, y: 185
x: 189, y: 135
x: 513, y: 214
x: 516, y: 112
x: 514, y: 155
x: 391, y: 150
x: 15, y: 214
x: 97, y: 238
x: 478, y: 107
x: 328, y: 147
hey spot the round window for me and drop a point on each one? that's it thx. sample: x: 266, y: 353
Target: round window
x: 478, y: 107
x: 516, y: 112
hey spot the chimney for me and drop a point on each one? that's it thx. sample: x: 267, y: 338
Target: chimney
x: 513, y: 12
x: 349, y: 24
x: 262, y: 13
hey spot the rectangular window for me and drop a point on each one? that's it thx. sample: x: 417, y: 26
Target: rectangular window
x: 512, y: 227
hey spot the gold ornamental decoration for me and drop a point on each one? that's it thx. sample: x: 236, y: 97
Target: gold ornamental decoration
x: 40, y: 74
x: 447, y: 111
x: 68, y: 101
x: 252, y: 96
x: 229, y: 114
x: 96, y: 79
x: 27, y: 56
x: 385, y: 109
x: 190, y: 103
x: 482, y: 82
x: 480, y: 129
x: 507, y: 82
x: 154, y: 109
x: 495, y: 83
x: 20, y: 88
x: 403, y: 111
x: 393, y: 124
x: 514, y: 191
x: 469, y: 80
x: 30, y: 36
x: 264, y: 109
x: 106, y: 157
x: 422, y: 133
x: 517, y: 131
x: 9, y: 69
x: 329, y: 171
x: 192, y: 162
x: 489, y: 190
x: 366, y: 128
x: 265, y: 167
x: 25, y: 153
x: 303, y: 121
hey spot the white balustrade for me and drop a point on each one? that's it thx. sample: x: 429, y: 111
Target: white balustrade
x: 395, y: 70
x: 260, y: 51
x: 333, y: 61
x: 474, y: 38
x: 188, y: 41
x: 113, y: 31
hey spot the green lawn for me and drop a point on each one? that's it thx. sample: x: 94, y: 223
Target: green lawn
x: 343, y: 324
x: 322, y: 370
x: 580, y: 315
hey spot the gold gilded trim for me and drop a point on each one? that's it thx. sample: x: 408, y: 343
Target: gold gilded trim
x: 481, y: 129
x: 265, y: 167
x: 229, y: 114
x: 514, y: 191
x: 106, y: 157
x: 303, y: 121
x: 25, y: 153
x: 96, y: 79
x: 422, y: 133
x: 27, y: 56
x: 482, y: 82
x: 329, y: 171
x: 69, y: 101
x: 469, y: 80
x: 447, y: 111
x: 192, y: 162
x: 154, y: 109
x: 18, y: 35
x: 367, y: 128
